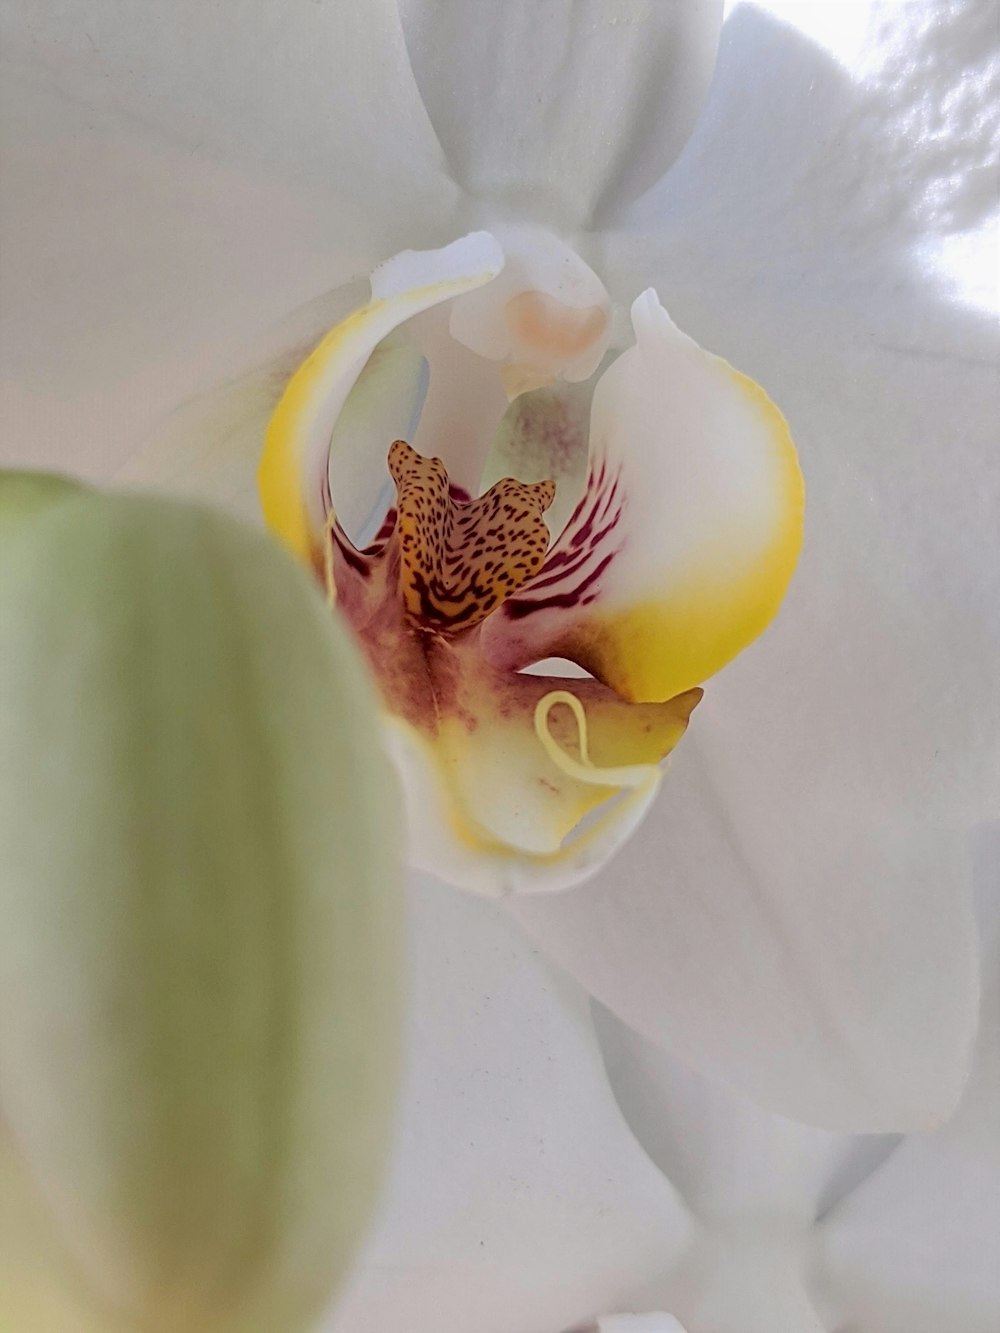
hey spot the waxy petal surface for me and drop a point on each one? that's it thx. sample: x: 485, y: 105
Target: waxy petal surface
x: 533, y: 138
x: 683, y: 544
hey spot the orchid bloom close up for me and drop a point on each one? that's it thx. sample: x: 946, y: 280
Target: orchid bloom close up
x: 794, y: 916
x: 791, y: 927
x: 644, y: 524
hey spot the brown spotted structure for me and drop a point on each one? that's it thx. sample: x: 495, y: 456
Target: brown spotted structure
x: 460, y: 561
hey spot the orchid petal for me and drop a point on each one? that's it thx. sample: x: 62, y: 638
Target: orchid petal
x: 758, y: 1182
x: 174, y: 183
x: 518, y: 1199
x: 682, y: 548
x: 209, y: 446
x: 294, y: 469
x: 731, y: 1160
x: 258, y: 96
x: 752, y: 1280
x: 913, y: 1250
x: 522, y: 93
x: 838, y: 764
x: 885, y: 652
x: 829, y: 975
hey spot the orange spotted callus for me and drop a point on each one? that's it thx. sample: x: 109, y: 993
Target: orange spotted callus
x: 460, y: 561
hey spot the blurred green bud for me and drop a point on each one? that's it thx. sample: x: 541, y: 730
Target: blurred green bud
x: 25, y: 495
x: 199, y: 929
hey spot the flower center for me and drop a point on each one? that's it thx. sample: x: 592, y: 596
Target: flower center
x: 460, y: 560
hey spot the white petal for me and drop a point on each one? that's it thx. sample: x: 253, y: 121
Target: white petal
x: 561, y: 110
x: 209, y: 447
x: 730, y: 1159
x: 638, y: 1323
x: 174, y: 183
x: 824, y: 965
x: 297, y: 91
x: 916, y: 1248
x: 751, y: 1281
x: 519, y: 1201
x: 757, y: 1181
x: 841, y: 750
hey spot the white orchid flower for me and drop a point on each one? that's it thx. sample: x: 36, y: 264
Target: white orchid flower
x: 668, y: 543
x: 793, y: 918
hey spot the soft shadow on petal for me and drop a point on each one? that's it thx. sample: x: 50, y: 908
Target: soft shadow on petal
x: 519, y: 1202
x: 746, y: 1281
x: 533, y: 136
x: 915, y: 1249
x: 731, y: 1160
x: 824, y: 965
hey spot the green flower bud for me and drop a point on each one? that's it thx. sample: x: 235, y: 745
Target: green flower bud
x: 25, y: 495
x: 199, y: 929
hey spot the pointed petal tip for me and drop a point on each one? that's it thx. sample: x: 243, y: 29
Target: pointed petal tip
x: 648, y: 312
x: 687, y: 702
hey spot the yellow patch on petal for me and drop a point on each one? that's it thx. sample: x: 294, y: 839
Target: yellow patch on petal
x: 619, y: 735
x: 666, y: 644
x: 689, y: 532
x: 280, y: 475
